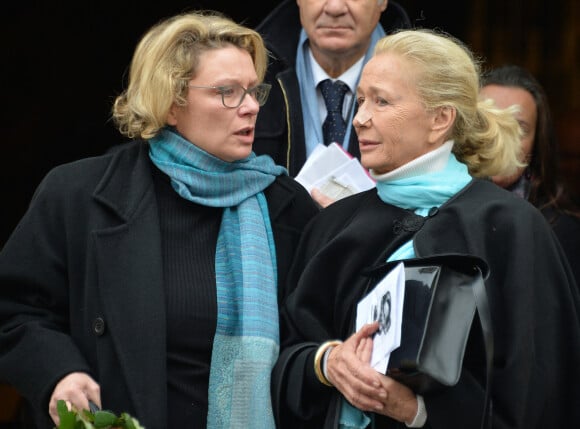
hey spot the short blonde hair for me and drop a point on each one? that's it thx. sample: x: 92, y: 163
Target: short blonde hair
x: 487, y: 139
x: 167, y: 58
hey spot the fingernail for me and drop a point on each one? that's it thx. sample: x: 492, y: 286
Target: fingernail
x: 379, y: 407
x: 383, y: 394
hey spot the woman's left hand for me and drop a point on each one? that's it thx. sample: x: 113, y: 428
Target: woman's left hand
x: 400, y: 402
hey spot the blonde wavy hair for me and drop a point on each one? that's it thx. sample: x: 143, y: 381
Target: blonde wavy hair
x: 487, y: 139
x: 167, y: 58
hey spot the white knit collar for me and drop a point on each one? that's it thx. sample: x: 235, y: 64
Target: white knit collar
x: 432, y: 161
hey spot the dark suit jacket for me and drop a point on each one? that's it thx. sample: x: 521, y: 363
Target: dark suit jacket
x: 567, y: 229
x: 535, y: 308
x: 81, y: 285
x: 280, y: 128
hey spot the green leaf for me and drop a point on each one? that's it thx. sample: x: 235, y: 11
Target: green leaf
x: 104, y: 419
x: 83, y: 424
x: 67, y: 418
x: 88, y: 416
x: 130, y: 422
x: 127, y: 422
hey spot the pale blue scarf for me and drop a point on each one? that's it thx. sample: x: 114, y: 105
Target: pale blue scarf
x: 246, y: 342
x: 419, y: 193
x: 310, y: 114
x: 422, y: 192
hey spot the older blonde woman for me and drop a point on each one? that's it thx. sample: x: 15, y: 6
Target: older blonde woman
x: 431, y: 145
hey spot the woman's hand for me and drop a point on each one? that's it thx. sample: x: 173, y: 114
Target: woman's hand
x: 400, y: 403
x: 348, y: 369
x: 75, y: 389
x: 321, y: 199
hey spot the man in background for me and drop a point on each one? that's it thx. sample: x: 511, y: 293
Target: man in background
x: 318, y: 49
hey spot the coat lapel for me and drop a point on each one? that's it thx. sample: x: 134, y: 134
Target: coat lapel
x: 131, y: 282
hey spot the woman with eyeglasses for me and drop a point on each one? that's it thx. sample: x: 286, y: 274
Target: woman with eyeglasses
x: 147, y: 280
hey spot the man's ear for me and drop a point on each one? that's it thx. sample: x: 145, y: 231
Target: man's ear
x: 442, y: 123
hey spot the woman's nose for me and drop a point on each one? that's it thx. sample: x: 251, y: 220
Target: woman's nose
x: 362, y: 117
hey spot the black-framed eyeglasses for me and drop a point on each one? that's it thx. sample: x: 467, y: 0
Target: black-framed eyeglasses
x: 233, y: 95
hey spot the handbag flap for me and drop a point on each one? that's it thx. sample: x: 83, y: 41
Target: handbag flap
x: 438, y: 312
x: 419, y: 283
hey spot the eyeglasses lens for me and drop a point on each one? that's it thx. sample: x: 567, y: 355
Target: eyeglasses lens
x: 235, y: 96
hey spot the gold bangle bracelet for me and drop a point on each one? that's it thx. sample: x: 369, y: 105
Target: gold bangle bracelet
x: 318, y: 360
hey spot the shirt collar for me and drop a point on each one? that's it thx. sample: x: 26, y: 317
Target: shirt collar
x: 349, y: 77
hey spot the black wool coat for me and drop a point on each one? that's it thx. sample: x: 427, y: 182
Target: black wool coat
x: 567, y: 229
x: 535, y: 308
x: 81, y: 285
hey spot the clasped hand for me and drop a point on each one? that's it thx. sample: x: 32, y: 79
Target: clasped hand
x: 348, y: 369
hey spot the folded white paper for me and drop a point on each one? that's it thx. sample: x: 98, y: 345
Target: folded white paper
x: 334, y: 172
x: 385, y: 304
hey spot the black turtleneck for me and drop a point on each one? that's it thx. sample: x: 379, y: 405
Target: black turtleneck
x: 189, y: 234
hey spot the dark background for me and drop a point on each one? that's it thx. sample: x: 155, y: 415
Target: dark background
x: 64, y: 62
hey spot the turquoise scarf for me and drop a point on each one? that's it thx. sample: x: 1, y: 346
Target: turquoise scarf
x: 419, y: 193
x: 246, y: 342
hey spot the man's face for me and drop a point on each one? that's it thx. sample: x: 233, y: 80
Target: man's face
x: 340, y: 27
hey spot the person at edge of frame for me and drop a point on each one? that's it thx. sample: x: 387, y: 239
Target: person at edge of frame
x: 147, y: 280
x: 432, y: 144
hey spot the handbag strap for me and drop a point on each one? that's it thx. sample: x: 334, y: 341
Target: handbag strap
x: 487, y: 331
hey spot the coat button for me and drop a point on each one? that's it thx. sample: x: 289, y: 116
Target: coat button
x: 99, y: 326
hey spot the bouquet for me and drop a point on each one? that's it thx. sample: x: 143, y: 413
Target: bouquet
x: 99, y: 419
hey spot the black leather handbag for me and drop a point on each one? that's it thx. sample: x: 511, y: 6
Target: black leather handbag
x: 443, y: 295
